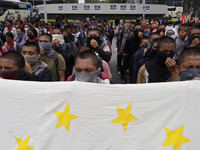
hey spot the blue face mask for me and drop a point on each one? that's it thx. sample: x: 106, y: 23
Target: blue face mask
x: 169, y: 35
x: 189, y: 74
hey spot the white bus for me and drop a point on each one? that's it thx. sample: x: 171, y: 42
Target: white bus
x: 15, y: 6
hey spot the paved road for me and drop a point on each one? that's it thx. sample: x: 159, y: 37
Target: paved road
x: 113, y: 63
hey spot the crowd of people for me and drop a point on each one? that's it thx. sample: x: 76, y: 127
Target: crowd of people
x: 154, y: 51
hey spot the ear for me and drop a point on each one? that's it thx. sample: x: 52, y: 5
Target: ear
x: 177, y: 69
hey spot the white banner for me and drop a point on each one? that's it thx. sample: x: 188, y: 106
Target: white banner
x: 83, y: 116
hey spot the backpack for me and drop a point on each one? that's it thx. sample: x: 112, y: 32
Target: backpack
x: 40, y: 75
x: 55, y: 58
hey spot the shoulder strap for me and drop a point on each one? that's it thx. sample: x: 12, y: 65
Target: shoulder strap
x: 73, y: 77
x: 100, y: 63
x: 1, y: 50
x: 40, y: 75
x: 15, y: 46
x: 55, y: 58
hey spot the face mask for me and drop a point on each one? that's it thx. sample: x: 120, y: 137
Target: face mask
x: 31, y: 60
x: 189, y: 74
x: 169, y: 35
x: 20, y: 35
x: 59, y: 37
x: 48, y: 48
x: 191, y: 38
x: 136, y: 33
x: 88, y: 77
x: 95, y: 38
x: 76, y: 35
x: 162, y: 57
x: 78, y: 26
x: 30, y: 36
x: 9, y: 74
x: 26, y: 30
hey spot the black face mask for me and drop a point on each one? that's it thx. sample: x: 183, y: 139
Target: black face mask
x: 95, y: 38
x: 9, y: 74
x: 136, y: 33
x: 191, y: 38
x: 30, y: 36
x: 162, y: 57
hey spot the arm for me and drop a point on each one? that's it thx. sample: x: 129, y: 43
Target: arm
x: 61, y: 68
x: 141, y: 75
x: 61, y: 74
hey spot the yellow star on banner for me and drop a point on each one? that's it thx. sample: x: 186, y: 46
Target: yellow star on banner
x: 175, y: 138
x: 65, y: 118
x: 124, y: 116
x: 23, y: 145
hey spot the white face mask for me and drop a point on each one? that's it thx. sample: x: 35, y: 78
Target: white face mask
x: 59, y: 37
x: 76, y: 35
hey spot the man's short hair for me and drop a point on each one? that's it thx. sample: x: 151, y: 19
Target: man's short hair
x: 58, y: 29
x: 192, y: 51
x: 93, y: 29
x: 182, y: 26
x: 10, y: 34
x: 193, y: 28
x: 18, y: 59
x: 144, y: 38
x: 153, y: 33
x: 82, y: 48
x: 74, y: 28
x: 88, y: 54
x: 33, y: 45
x: 165, y: 40
x: 34, y: 31
x: 47, y: 35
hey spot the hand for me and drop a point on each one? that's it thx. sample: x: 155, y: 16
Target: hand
x: 28, y: 68
x: 94, y: 43
x: 155, y: 30
x: 162, y: 34
x: 140, y: 35
x: 42, y: 51
x: 195, y: 42
x: 171, y: 65
x: 182, y: 35
x: 56, y: 41
x: 145, y: 50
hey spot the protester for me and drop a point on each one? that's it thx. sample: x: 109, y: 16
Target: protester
x: 55, y: 61
x: 32, y: 36
x: 12, y: 66
x: 21, y: 38
x: 31, y: 53
x: 87, y: 69
x: 156, y: 70
x: 98, y: 46
x: 188, y: 65
x: 10, y: 43
x: 9, y: 28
